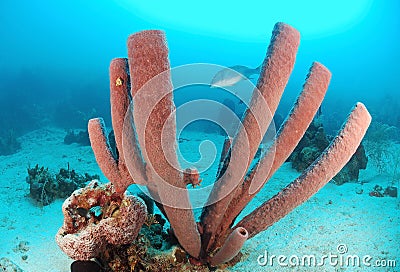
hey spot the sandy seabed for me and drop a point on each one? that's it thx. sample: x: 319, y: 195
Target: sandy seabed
x: 342, y: 221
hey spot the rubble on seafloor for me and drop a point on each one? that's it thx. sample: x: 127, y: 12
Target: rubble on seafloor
x: 154, y: 250
x: 6, y: 265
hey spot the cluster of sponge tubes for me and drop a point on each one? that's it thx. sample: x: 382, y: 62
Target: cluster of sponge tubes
x: 141, y: 132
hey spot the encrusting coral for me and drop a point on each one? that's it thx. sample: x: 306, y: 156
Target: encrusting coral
x: 145, y: 136
x: 94, y: 217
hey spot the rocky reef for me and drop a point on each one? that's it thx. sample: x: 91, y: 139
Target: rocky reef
x: 80, y: 137
x: 45, y: 187
x: 311, y: 146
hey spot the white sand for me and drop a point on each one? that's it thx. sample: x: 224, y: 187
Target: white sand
x: 336, y: 215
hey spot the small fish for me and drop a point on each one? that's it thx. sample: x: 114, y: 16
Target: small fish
x: 232, y: 75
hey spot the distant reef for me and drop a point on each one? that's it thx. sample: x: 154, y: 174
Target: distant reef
x: 81, y: 137
x: 9, y: 143
x: 45, y: 187
x: 314, y: 142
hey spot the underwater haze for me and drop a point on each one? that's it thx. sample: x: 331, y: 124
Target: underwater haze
x: 54, y: 77
x: 54, y: 55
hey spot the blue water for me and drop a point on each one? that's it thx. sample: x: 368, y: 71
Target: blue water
x: 54, y: 58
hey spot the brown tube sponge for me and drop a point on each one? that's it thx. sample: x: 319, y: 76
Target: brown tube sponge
x: 314, y: 177
x: 154, y: 118
x: 274, y: 76
x: 143, y: 119
x: 115, y: 169
x: 231, y: 247
x: 119, y: 98
x: 102, y: 150
x: 287, y: 139
x: 225, y: 157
